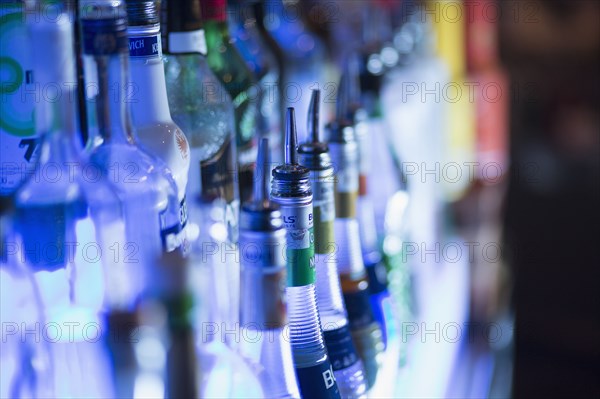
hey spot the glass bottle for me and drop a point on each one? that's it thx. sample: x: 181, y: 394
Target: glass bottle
x: 261, y: 60
x: 263, y: 313
x: 366, y: 332
x: 229, y: 66
x: 24, y: 359
x: 150, y: 111
x: 201, y: 106
x: 291, y: 190
x: 69, y: 224
x: 347, y: 366
x: 143, y: 182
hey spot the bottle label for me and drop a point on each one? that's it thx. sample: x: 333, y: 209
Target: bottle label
x: 358, y: 305
x: 323, y: 203
x: 19, y: 144
x: 340, y: 348
x: 318, y: 381
x: 346, y: 191
x: 300, y: 244
x: 187, y: 42
x: 173, y: 236
x: 263, y: 305
x: 145, y: 46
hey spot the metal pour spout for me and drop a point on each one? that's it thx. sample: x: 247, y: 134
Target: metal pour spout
x: 261, y: 174
x: 291, y: 138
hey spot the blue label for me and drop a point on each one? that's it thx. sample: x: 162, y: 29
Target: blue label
x: 340, y: 348
x: 173, y: 236
x: 146, y: 46
x: 318, y: 381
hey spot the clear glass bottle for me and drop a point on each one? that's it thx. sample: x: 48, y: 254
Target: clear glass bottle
x: 343, y: 147
x: 347, y: 366
x: 291, y: 190
x: 143, y: 182
x: 263, y: 313
x: 69, y: 223
x: 201, y: 106
x: 263, y: 63
x: 24, y: 359
x: 229, y: 66
x: 150, y: 109
x: 307, y: 65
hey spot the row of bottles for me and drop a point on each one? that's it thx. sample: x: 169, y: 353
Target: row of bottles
x: 170, y: 223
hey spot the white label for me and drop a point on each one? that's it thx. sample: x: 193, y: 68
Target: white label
x: 187, y: 42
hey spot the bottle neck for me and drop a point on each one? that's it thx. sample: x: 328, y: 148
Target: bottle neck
x: 57, y: 115
x: 112, y: 100
x: 149, y: 103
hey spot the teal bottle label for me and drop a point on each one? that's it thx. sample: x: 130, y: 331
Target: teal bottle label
x: 300, y: 244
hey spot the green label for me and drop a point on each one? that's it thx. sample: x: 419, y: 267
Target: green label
x: 301, y: 263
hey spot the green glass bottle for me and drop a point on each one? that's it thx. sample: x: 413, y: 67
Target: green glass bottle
x: 231, y: 69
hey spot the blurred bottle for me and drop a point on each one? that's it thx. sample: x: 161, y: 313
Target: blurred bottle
x: 201, y: 106
x: 150, y: 113
x: 143, y: 182
x: 291, y: 190
x: 69, y: 224
x: 215, y: 284
x: 263, y: 63
x: 229, y: 66
x: 24, y: 359
x: 20, y: 139
x: 263, y: 313
x: 307, y: 66
x: 366, y: 332
x: 347, y: 367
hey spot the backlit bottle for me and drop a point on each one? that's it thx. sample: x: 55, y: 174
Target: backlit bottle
x: 291, y: 190
x: 150, y: 111
x: 201, y: 106
x: 229, y: 66
x: 366, y: 332
x: 143, y: 182
x: 262, y: 61
x: 347, y: 366
x: 69, y: 225
x: 263, y: 312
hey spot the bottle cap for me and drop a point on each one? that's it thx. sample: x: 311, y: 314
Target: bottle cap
x: 261, y: 214
x: 142, y: 12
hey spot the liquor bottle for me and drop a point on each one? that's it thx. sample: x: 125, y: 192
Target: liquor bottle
x: 306, y: 60
x: 291, y: 190
x: 170, y: 294
x: 225, y: 373
x: 201, y: 106
x: 68, y: 222
x: 229, y: 66
x: 150, y: 112
x: 347, y: 366
x: 263, y: 63
x: 24, y: 359
x: 263, y: 312
x: 143, y: 182
x: 19, y: 138
x: 366, y: 332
